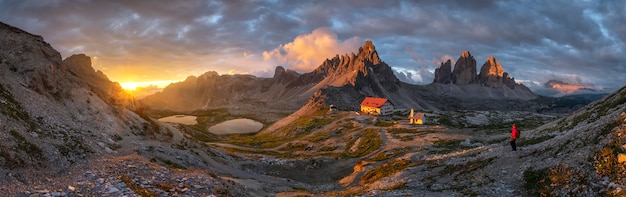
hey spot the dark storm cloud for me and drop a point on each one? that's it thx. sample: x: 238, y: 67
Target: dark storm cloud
x: 535, y: 41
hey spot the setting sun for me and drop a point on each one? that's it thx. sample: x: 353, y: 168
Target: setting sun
x: 129, y: 86
x: 132, y: 85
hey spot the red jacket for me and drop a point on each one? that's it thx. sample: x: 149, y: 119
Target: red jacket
x: 514, y: 133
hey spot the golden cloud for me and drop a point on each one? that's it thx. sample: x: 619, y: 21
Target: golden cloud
x: 306, y: 52
x: 564, y: 87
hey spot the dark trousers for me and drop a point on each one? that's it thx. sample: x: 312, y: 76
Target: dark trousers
x: 513, y: 145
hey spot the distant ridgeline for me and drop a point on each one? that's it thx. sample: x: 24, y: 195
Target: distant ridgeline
x: 345, y: 80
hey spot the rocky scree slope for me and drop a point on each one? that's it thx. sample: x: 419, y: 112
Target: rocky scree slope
x: 56, y: 113
x: 60, y: 116
x: 581, y: 157
x: 577, y: 155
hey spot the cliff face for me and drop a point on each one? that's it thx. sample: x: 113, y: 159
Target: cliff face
x: 464, y: 70
x: 491, y: 73
x: 443, y: 74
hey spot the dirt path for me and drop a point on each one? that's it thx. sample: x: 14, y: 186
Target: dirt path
x: 506, y: 170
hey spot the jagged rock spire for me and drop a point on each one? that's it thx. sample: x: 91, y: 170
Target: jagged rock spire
x: 491, y: 73
x: 443, y: 74
x: 359, y: 70
x: 368, y: 53
x: 465, y: 70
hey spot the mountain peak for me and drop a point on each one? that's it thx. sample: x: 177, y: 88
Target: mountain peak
x: 465, y: 69
x: 79, y: 64
x: 491, y: 67
x: 282, y: 75
x: 347, y: 69
x: 279, y: 71
x: 368, y: 53
x: 443, y: 74
x: 466, y: 54
x: 369, y: 46
x: 491, y: 74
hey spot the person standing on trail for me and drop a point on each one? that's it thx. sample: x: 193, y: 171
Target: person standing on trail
x: 514, y: 136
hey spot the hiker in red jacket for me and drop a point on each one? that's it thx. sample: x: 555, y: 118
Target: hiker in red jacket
x: 514, y: 136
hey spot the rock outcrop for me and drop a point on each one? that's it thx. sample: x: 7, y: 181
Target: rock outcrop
x: 492, y: 82
x: 508, y: 81
x: 368, y: 53
x: 465, y: 70
x: 63, y: 112
x: 80, y: 66
x: 491, y: 73
x: 443, y: 74
x: 282, y: 75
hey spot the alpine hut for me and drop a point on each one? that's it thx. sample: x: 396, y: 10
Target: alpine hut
x: 376, y: 106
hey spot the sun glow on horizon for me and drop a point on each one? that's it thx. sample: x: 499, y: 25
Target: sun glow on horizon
x: 132, y: 86
x: 129, y: 86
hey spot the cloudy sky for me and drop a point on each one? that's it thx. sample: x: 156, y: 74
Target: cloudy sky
x: 574, y: 44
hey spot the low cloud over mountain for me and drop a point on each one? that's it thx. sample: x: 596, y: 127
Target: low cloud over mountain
x: 307, y: 51
x: 560, y: 88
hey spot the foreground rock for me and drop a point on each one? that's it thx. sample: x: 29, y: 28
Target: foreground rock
x: 63, y: 122
x: 130, y: 176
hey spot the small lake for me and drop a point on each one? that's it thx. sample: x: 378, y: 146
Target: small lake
x: 236, y: 126
x: 180, y: 119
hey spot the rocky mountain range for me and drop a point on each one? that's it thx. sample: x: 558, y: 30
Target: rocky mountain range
x: 285, y: 92
x: 344, y: 80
